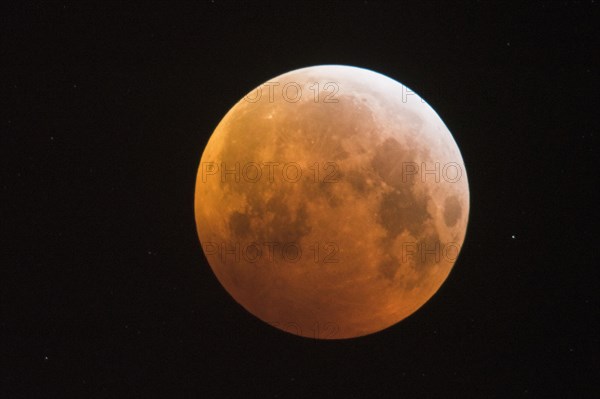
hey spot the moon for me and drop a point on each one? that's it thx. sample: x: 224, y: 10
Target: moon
x: 331, y: 202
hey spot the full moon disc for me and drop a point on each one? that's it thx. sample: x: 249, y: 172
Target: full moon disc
x: 331, y: 202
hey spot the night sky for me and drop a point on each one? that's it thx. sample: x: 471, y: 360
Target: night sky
x: 104, y: 288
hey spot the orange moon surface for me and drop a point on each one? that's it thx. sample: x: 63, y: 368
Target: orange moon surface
x: 331, y: 202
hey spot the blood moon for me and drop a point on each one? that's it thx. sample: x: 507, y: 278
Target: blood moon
x: 335, y: 207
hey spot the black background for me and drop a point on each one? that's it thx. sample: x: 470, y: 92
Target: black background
x: 105, y: 291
